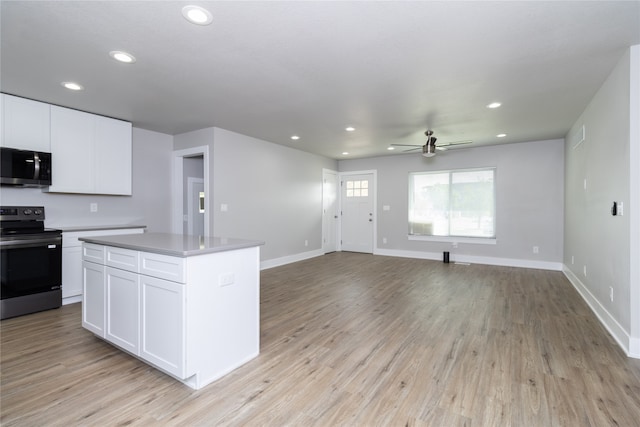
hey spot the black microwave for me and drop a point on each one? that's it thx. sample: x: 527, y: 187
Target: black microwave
x: 25, y: 168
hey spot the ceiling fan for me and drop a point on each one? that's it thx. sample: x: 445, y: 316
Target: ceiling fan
x: 430, y: 147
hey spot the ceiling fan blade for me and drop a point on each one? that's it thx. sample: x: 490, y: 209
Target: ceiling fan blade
x: 439, y: 148
x: 406, y: 145
x: 412, y: 149
x: 449, y: 144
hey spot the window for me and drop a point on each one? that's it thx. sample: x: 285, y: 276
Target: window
x: 452, y: 203
x: 358, y: 188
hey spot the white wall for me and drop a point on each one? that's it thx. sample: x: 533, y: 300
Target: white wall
x: 594, y: 239
x: 149, y: 204
x: 273, y: 193
x: 529, y: 205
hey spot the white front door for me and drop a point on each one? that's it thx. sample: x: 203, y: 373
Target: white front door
x: 357, y: 213
x: 329, y: 211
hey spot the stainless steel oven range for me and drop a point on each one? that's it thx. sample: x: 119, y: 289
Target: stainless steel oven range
x: 30, y: 263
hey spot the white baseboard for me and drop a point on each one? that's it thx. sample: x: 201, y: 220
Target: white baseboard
x: 71, y: 300
x: 631, y: 346
x: 471, y: 259
x: 277, y: 262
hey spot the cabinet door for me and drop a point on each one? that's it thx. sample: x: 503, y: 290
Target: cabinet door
x: 112, y: 156
x: 163, y: 325
x: 123, y: 309
x: 25, y: 124
x: 93, y: 297
x: 71, y: 271
x: 72, y: 151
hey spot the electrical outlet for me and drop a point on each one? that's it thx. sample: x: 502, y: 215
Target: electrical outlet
x: 93, y: 207
x: 536, y: 249
x: 384, y: 240
x: 226, y: 279
x: 455, y: 245
x: 611, y: 293
x: 224, y: 207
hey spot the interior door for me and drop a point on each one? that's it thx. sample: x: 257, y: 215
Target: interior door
x: 357, y: 213
x: 329, y: 211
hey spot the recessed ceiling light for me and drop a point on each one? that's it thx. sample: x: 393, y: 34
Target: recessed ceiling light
x: 494, y: 105
x: 197, y: 15
x: 72, y: 86
x: 391, y: 148
x: 121, y: 56
x: 350, y: 129
x: 295, y: 137
x: 345, y: 153
x: 501, y: 135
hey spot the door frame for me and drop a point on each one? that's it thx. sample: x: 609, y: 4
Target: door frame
x: 341, y: 176
x: 178, y: 184
x: 190, y: 182
x: 336, y: 237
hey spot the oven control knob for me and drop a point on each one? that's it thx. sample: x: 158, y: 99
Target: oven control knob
x: 27, y: 211
x: 37, y: 212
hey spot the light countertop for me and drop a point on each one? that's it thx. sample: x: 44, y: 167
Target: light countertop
x: 98, y: 227
x: 173, y: 244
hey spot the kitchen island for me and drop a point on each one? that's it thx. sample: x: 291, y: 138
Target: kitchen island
x: 187, y: 305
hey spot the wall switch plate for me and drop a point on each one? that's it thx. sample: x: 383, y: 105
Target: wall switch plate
x: 224, y: 207
x: 386, y: 207
x: 611, y: 293
x: 536, y: 249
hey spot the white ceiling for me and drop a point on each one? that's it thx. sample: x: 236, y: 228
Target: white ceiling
x: 271, y: 69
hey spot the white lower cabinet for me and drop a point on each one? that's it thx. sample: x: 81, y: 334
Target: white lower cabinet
x: 195, y: 318
x: 163, y: 324
x: 71, y: 270
x: 123, y: 309
x: 141, y: 314
x: 72, y: 256
x: 93, y: 302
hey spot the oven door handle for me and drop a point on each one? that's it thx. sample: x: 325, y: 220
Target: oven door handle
x: 32, y: 243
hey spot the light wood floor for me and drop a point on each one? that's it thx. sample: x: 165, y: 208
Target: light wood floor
x: 351, y: 339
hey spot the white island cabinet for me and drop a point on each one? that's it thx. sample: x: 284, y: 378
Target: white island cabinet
x: 72, y: 255
x: 188, y: 305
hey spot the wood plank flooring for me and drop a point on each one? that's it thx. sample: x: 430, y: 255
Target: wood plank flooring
x: 356, y: 340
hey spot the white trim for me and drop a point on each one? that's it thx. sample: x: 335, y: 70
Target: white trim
x: 634, y: 201
x: 277, y: 262
x: 471, y: 259
x: 177, y: 216
x: 606, y: 319
x: 72, y: 300
x: 451, y: 239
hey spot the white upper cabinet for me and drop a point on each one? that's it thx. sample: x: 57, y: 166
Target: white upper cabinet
x: 25, y: 124
x: 90, y: 154
x: 113, y: 156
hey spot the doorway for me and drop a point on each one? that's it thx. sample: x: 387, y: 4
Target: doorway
x: 191, y: 213
x: 357, y: 203
x: 330, y: 184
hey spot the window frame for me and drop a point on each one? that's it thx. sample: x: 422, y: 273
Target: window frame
x: 454, y: 239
